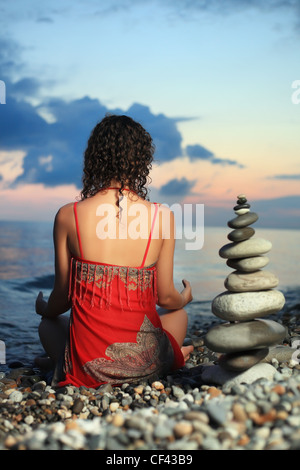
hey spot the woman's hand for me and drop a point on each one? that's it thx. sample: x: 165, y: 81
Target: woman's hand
x: 186, y: 292
x: 40, y: 304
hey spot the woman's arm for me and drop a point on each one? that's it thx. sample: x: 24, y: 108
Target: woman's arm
x: 168, y: 296
x: 58, y: 302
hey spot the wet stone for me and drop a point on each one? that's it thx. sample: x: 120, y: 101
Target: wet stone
x: 29, y: 381
x: 106, y: 388
x: 246, y: 265
x: 246, y: 248
x: 241, y: 208
x: 234, y: 337
x: 39, y: 385
x: 255, y: 281
x: 20, y: 371
x: 241, y: 205
x: 244, y: 306
x: 77, y: 406
x: 243, y: 220
x: 241, y: 234
x: 16, y: 396
x: 241, y: 211
x: 280, y: 353
x: 220, y: 376
x: 241, y: 199
x: 243, y: 360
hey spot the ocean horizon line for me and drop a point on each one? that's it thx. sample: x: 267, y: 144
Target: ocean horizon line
x: 206, y: 226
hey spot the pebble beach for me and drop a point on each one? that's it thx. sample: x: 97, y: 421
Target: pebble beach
x: 179, y: 412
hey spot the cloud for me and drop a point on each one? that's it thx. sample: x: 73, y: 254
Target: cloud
x: 229, y: 6
x: 11, y: 166
x: 163, y: 129
x: 45, y: 19
x: 21, y: 126
x: 285, y: 177
x: 226, y: 161
x: 9, y: 57
x: 182, y: 6
x: 24, y: 128
x: 61, y: 141
x: 65, y: 139
x: 54, y: 133
x: 185, y: 10
x: 177, y: 187
x: 197, y: 152
x: 26, y: 87
x: 55, y: 150
x: 188, y: 10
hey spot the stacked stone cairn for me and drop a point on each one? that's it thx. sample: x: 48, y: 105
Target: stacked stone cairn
x: 244, y: 340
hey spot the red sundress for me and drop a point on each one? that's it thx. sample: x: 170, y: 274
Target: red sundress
x: 115, y: 333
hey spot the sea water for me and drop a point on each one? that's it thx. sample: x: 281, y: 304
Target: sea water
x: 27, y: 267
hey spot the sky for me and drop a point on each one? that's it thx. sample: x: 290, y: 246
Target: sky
x: 215, y: 82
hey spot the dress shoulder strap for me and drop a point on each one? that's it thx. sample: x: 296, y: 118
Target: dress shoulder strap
x: 77, y: 229
x: 150, y: 235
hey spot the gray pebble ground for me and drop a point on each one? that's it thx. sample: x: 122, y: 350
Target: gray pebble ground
x: 174, y: 413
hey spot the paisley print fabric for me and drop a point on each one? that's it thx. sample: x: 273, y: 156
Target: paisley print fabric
x: 150, y: 356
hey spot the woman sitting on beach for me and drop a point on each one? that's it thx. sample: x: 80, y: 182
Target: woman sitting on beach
x: 112, y: 268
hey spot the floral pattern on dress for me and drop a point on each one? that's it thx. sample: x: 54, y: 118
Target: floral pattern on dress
x: 150, y: 356
x: 88, y: 278
x: 102, y: 275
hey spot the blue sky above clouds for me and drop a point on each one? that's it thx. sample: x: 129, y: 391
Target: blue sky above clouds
x: 210, y: 80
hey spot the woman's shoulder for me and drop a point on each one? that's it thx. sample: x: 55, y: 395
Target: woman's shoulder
x: 66, y: 208
x: 64, y: 213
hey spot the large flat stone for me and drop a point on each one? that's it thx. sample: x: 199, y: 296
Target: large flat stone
x: 245, y: 249
x: 248, y: 265
x: 280, y: 352
x: 234, y: 337
x: 217, y: 375
x: 255, y: 281
x: 244, y: 220
x: 244, y: 306
x: 243, y: 360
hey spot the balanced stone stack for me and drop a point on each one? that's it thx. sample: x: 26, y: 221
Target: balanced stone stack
x: 250, y: 294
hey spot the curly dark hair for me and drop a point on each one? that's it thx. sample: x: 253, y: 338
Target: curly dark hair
x: 119, y: 148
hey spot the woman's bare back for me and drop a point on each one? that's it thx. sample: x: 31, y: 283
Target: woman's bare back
x: 114, y: 229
